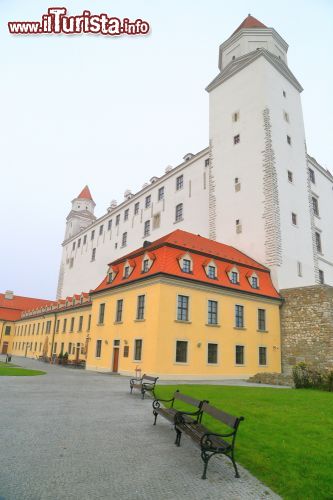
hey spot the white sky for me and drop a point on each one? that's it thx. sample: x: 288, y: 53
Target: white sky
x: 113, y: 112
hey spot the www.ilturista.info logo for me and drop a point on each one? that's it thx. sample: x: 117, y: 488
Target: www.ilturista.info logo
x: 57, y: 22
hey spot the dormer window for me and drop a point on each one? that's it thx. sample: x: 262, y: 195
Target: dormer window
x: 211, y: 272
x: 128, y: 268
x: 185, y: 263
x: 145, y: 266
x: 186, y: 267
x: 147, y: 262
x: 126, y: 271
x: 253, y: 280
x: 112, y: 273
x: 234, y: 276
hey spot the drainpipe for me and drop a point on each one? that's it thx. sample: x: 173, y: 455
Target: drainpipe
x: 53, y: 334
x: 3, y: 324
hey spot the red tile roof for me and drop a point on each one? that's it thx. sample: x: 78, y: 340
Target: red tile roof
x: 166, y: 251
x: 10, y: 314
x: 250, y: 22
x: 11, y: 309
x: 85, y: 194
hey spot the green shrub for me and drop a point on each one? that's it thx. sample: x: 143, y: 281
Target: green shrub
x: 305, y: 376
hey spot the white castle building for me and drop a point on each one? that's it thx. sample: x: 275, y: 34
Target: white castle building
x: 254, y: 186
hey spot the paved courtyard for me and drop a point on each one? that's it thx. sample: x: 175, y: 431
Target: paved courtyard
x: 73, y: 434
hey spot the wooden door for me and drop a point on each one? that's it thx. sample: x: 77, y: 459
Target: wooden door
x: 4, y: 348
x: 115, y: 359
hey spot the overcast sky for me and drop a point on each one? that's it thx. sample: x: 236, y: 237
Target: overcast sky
x: 113, y: 112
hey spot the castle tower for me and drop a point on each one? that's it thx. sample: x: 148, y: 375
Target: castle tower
x: 82, y: 213
x: 262, y: 201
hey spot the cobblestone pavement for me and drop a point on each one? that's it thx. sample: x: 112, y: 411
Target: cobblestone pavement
x: 73, y: 434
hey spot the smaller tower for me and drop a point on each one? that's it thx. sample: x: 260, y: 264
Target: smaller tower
x: 81, y: 215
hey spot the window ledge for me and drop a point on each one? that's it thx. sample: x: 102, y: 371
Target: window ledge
x: 117, y: 322
x: 179, y: 220
x: 186, y: 322
x: 100, y: 324
x: 239, y: 328
x: 240, y: 366
x: 216, y: 325
x: 262, y: 331
x: 181, y: 363
x: 139, y: 320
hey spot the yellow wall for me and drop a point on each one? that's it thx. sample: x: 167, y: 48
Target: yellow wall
x: 6, y: 338
x: 161, y: 330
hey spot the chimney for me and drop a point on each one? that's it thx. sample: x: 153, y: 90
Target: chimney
x: 9, y: 295
x: 146, y: 243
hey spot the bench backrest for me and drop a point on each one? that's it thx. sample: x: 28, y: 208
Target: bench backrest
x: 187, y: 399
x: 148, y: 377
x: 222, y: 416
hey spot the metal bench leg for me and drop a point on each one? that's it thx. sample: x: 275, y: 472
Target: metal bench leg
x: 205, y: 457
x: 235, y: 467
x: 131, y: 389
x: 143, y: 393
x: 178, y: 437
x: 155, y: 414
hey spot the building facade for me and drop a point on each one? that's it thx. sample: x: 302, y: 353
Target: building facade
x: 254, y: 186
x: 181, y: 307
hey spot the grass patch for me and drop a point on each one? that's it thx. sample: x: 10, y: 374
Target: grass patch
x: 9, y: 370
x: 286, y: 438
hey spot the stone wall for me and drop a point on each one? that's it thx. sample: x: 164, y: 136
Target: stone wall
x: 307, y: 327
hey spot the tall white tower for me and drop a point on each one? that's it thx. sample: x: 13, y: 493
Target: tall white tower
x: 82, y: 213
x: 258, y: 156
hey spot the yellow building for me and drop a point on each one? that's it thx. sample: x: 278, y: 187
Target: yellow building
x: 186, y: 307
x: 181, y: 307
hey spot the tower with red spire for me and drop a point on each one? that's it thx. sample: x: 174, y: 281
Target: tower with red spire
x: 82, y: 213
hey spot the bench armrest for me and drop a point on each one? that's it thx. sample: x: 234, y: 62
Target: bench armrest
x: 157, y: 402
x: 179, y: 419
x: 205, y: 438
x: 132, y: 380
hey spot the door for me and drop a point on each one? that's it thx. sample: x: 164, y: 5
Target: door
x: 115, y: 359
x: 4, y: 348
x: 77, y: 353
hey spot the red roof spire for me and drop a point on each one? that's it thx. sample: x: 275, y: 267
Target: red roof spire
x: 85, y: 194
x: 250, y: 22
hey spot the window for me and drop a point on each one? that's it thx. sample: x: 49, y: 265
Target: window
x: 84, y: 239
x: 284, y: 93
x: 234, y: 277
x: 321, y: 277
x: 181, y: 351
x: 80, y: 323
x: 64, y: 325
x: 318, y: 242
x: 92, y: 236
x: 238, y: 226
x: 136, y: 208
x: 126, y: 271
x: 289, y: 140
x: 179, y: 212
x: 72, y: 325
x: 126, y: 213
x: 239, y: 354
x: 212, y: 312
x: 254, y: 282
x: 48, y: 327
x: 299, y: 269
x: 101, y: 230
x: 212, y: 354
x: 140, y: 311
x: 186, y: 267
x: 261, y: 319
x: 57, y: 325
x: 79, y: 242
x: 294, y: 219
x: 117, y: 220
x: 74, y: 245
x: 211, y: 272
x: 312, y: 176
x: 286, y: 116
x: 137, y: 349
x: 89, y: 323
x: 160, y: 195
x: 156, y: 221
x: 55, y: 348
x: 290, y: 176
x: 93, y: 254
x: 109, y: 225
x: 145, y: 266
x: 101, y: 314
x: 207, y: 162
x: 124, y: 240
x: 182, y: 308
x: 119, y: 310
x: 147, y: 228
x: 235, y: 117
x: 262, y: 356
x: 236, y: 139
x: 126, y: 351
x: 315, y: 206
x: 239, y: 316
x: 179, y: 182
x: 7, y: 330
x: 98, y: 348
x: 148, y: 201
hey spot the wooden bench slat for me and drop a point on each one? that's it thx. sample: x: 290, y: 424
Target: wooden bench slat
x: 220, y: 415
